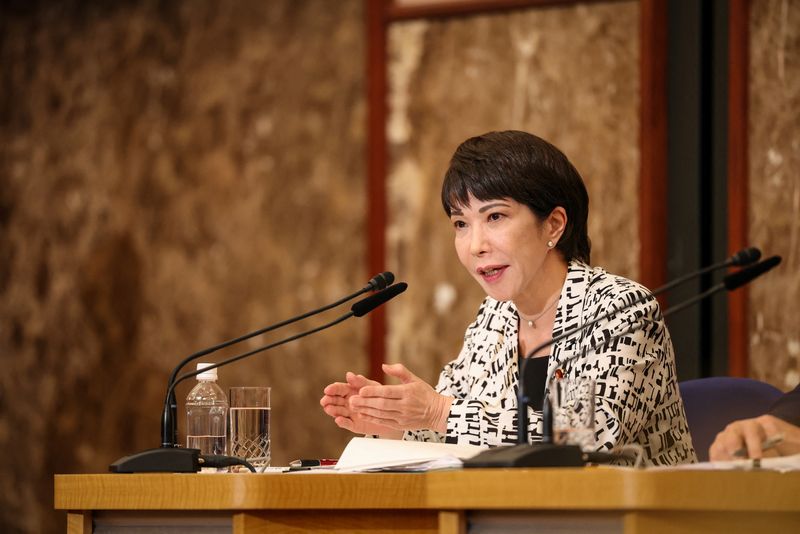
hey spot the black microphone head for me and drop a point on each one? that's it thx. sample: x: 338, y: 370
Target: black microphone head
x: 747, y: 274
x: 366, y: 305
x: 746, y: 256
x: 380, y: 281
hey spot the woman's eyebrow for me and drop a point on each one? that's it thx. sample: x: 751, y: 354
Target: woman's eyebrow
x: 458, y: 213
x: 495, y: 205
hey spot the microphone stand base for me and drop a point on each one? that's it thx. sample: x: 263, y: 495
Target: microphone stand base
x: 162, y: 460
x: 536, y: 455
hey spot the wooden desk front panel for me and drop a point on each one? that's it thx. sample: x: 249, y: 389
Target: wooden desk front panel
x: 633, y: 501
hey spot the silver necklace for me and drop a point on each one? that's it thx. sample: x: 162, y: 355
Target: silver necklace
x: 532, y: 321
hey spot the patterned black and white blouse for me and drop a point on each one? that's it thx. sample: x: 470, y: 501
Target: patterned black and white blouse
x: 636, y: 391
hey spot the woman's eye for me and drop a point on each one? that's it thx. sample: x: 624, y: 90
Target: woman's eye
x: 459, y: 225
x: 495, y: 216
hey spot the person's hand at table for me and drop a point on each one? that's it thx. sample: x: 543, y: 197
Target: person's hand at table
x: 336, y: 403
x: 749, y: 434
x: 411, y: 405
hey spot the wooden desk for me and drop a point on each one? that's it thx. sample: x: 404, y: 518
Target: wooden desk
x: 598, y: 499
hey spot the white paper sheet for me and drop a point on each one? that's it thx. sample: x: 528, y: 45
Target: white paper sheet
x: 366, y: 454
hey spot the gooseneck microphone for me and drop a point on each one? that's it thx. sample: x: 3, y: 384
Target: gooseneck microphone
x: 364, y: 306
x: 730, y: 282
x: 376, y: 283
x: 359, y: 309
x: 172, y: 459
x: 744, y: 257
x: 546, y: 453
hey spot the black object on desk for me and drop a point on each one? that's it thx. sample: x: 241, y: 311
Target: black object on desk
x: 525, y: 455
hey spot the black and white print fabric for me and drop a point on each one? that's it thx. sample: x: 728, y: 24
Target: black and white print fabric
x: 636, y: 390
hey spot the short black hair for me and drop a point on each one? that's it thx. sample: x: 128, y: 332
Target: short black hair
x: 525, y: 168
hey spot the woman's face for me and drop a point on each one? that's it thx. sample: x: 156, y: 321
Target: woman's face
x: 503, y: 245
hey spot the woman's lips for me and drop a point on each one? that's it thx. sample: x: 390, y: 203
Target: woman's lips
x: 492, y: 273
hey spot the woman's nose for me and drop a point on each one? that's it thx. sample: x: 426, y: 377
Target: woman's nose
x: 478, y: 244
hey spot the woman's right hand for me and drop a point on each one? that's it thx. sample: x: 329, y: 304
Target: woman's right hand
x: 336, y: 403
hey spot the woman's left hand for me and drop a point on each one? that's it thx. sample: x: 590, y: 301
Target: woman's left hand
x: 412, y: 405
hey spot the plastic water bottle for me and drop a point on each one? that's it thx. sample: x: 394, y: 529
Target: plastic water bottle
x: 206, y: 414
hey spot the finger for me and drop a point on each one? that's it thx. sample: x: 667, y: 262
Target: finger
x: 337, y: 388
x: 723, y: 447
x: 398, y: 370
x: 390, y: 423
x: 344, y: 422
x: 363, y: 411
x: 337, y: 406
x: 715, y: 452
x: 754, y: 436
x: 359, y: 403
x: 333, y: 399
x: 727, y: 443
x: 770, y: 424
x: 337, y: 411
x: 359, y: 381
x: 386, y: 392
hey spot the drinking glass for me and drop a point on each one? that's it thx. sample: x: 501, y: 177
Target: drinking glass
x: 249, y: 424
x: 572, y: 401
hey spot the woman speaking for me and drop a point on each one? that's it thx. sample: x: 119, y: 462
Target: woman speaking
x: 519, y: 213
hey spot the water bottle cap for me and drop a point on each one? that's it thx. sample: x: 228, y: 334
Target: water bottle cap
x: 207, y: 375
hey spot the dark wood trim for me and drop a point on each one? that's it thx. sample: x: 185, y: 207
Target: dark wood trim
x: 653, y: 143
x: 377, y: 111
x: 739, y: 62
x: 456, y: 8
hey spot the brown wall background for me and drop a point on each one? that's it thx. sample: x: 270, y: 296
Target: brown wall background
x: 774, y: 183
x: 173, y: 174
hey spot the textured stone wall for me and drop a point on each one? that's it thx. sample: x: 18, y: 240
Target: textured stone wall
x: 172, y: 174
x: 568, y: 74
x: 175, y: 174
x: 774, y: 174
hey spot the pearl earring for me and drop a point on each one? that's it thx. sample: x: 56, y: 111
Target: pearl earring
x: 550, y: 244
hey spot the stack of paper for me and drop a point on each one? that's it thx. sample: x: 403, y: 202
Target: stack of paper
x: 365, y: 454
x: 781, y: 464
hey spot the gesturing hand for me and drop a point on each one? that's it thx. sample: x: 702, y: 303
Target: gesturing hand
x: 412, y: 405
x: 335, y: 402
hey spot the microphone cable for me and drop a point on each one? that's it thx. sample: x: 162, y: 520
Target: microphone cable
x: 221, y: 461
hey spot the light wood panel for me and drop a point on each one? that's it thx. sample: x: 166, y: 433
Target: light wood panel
x: 705, y: 522
x: 79, y: 522
x: 610, y: 488
x: 237, y: 491
x: 486, y: 489
x: 634, y: 501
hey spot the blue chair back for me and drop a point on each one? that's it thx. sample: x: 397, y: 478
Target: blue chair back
x: 712, y: 403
